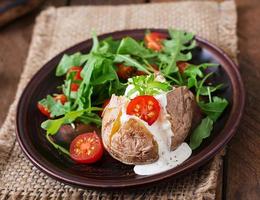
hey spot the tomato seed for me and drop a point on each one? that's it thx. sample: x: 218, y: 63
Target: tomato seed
x: 150, y: 107
x: 150, y: 114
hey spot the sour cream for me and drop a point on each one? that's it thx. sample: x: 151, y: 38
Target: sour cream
x: 162, y: 133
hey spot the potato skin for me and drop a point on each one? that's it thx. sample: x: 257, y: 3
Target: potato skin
x: 132, y: 143
x: 180, y: 107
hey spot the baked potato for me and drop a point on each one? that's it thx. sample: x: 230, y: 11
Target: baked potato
x: 131, y: 142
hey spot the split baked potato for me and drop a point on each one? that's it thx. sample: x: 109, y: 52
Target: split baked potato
x: 131, y: 142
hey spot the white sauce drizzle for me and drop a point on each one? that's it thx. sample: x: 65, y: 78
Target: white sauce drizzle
x: 162, y: 132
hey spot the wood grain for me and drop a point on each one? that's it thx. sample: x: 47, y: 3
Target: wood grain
x: 15, y: 40
x: 16, y: 8
x: 243, y: 167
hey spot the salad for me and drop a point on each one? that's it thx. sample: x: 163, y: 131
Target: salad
x: 143, y: 101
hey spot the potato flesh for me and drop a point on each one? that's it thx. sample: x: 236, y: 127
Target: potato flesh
x: 131, y: 142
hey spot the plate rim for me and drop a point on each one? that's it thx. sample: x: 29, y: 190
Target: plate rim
x: 234, y: 118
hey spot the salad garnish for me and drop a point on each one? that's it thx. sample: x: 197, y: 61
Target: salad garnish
x: 91, y: 78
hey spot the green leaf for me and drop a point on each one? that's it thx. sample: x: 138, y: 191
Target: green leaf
x: 52, y: 125
x: 130, y: 62
x: 147, y: 85
x: 174, y: 50
x: 214, y: 109
x: 201, y: 132
x: 55, y: 108
x: 193, y: 71
x: 95, y: 44
x: 69, y: 61
x: 131, y: 47
x: 204, y: 89
x: 88, y: 118
x: 103, y: 79
x: 109, y: 45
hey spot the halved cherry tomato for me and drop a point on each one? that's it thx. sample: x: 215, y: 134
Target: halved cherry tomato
x: 182, y: 66
x: 74, y: 87
x: 61, y: 98
x: 44, y: 110
x: 145, y: 107
x: 76, y: 70
x: 125, y: 72
x: 86, y: 148
x: 154, y: 40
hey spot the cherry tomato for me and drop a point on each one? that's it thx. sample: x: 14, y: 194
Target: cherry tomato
x: 86, y: 148
x: 125, y: 72
x: 154, y: 40
x: 145, y: 107
x: 44, y: 110
x: 61, y: 98
x: 76, y: 70
x: 182, y: 66
x: 74, y: 87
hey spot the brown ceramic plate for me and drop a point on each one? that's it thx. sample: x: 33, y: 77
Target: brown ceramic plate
x: 109, y: 173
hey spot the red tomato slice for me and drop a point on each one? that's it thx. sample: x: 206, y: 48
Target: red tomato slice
x: 76, y: 70
x: 86, y: 148
x: 61, y: 98
x: 74, y: 87
x: 145, y: 107
x: 125, y: 72
x: 154, y: 40
x: 44, y: 110
x: 182, y: 66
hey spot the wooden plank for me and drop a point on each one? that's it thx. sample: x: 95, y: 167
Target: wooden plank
x: 10, y: 10
x: 15, y: 40
x: 105, y: 2
x: 243, y: 167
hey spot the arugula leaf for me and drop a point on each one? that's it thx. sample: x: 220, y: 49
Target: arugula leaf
x: 193, y: 72
x: 147, y: 85
x: 130, y: 62
x: 214, y: 109
x: 88, y: 118
x: 56, y: 108
x: 95, y: 41
x: 109, y: 45
x: 52, y: 125
x: 206, y: 89
x: 131, y: 47
x: 174, y: 50
x: 68, y: 61
x: 201, y: 132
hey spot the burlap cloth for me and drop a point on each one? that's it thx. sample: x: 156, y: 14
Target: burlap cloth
x: 59, y: 28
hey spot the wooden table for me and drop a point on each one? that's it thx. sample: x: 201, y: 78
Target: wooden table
x: 241, y: 170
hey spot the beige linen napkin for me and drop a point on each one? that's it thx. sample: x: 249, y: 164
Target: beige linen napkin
x: 58, y: 28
